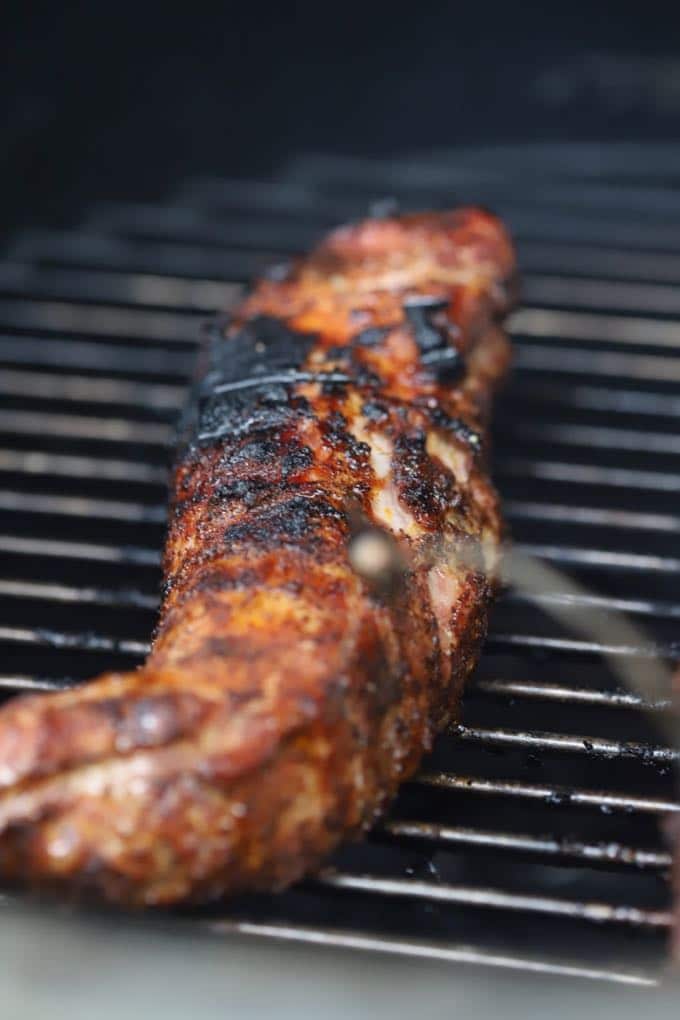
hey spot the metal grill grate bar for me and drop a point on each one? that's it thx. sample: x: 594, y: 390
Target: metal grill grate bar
x: 566, y: 694
x: 592, y: 746
x: 77, y: 506
x: 600, y: 558
x: 636, y: 607
x: 597, y: 398
x: 564, y: 433
x: 574, y: 291
x: 113, y: 430
x: 575, y: 646
x: 99, y: 357
x: 581, y: 361
x: 102, y: 320
x: 37, y: 462
x: 593, y: 912
x: 79, y: 550
x: 610, y: 854
x: 120, y: 597
x: 554, y: 795
x: 33, y: 383
x: 587, y: 474
x: 76, y: 642
x: 431, y: 950
x: 609, y: 517
x: 548, y: 323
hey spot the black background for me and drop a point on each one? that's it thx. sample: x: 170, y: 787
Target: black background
x: 106, y: 100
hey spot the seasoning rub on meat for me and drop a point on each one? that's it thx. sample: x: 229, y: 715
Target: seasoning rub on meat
x: 286, y: 696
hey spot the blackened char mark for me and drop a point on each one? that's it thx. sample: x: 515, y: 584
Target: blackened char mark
x: 263, y: 346
x: 428, y: 335
x: 247, y: 384
x: 458, y: 428
x: 422, y: 487
x: 374, y: 411
x: 293, y: 521
x: 446, y: 364
x: 239, y: 412
x: 260, y: 467
x: 341, y: 439
x: 295, y: 460
x: 434, y: 335
x: 371, y: 337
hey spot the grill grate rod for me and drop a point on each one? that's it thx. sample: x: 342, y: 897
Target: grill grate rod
x: 121, y: 598
x: 502, y: 641
x: 89, y: 642
x: 117, y: 429
x: 555, y: 795
x: 569, y: 291
x: 136, y: 289
x: 171, y: 224
x: 547, y: 323
x: 602, y: 558
x: 559, y: 693
x: 596, y: 516
x: 431, y: 950
x: 76, y: 426
x: 588, y: 474
x: 81, y: 506
x: 566, y: 434
x: 41, y: 502
x: 495, y: 641
x: 610, y: 854
x: 38, y: 462
x: 79, y: 550
x: 571, y: 361
x: 21, y: 682
x: 100, y: 357
x: 598, y: 398
x: 634, y: 607
x: 139, y: 323
x: 564, y: 694
x: 91, y: 389
x: 544, y: 741
x: 471, y: 896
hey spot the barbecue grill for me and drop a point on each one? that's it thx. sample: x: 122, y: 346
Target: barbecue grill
x: 532, y: 838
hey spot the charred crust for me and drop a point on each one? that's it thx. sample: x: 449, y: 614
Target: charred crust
x: 295, y: 460
x: 422, y: 486
x: 428, y: 334
x: 340, y: 438
x: 457, y: 428
x: 445, y: 363
x: 371, y: 337
x: 374, y: 411
x: 292, y: 520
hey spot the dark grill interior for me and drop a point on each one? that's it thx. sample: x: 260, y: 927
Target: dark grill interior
x: 531, y: 839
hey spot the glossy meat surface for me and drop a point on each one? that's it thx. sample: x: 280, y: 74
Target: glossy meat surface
x: 286, y: 698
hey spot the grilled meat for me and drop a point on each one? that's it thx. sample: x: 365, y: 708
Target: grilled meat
x: 287, y: 696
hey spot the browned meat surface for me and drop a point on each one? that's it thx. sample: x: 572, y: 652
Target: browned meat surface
x: 285, y: 698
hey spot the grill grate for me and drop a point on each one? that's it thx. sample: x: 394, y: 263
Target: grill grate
x: 531, y: 840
